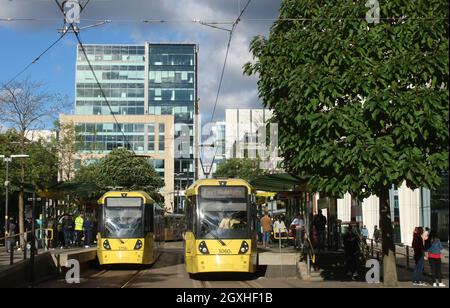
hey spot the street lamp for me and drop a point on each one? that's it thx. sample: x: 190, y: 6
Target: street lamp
x: 7, y: 160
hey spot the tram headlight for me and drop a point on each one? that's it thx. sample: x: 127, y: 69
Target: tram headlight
x: 138, y: 245
x: 203, y: 248
x: 244, y: 247
x: 106, y: 245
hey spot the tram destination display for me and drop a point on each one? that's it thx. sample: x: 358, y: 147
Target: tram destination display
x: 220, y: 192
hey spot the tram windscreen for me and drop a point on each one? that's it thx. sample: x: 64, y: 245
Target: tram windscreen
x: 223, y: 212
x: 123, y: 218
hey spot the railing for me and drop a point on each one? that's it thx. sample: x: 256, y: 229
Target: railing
x: 375, y: 252
x: 41, y: 239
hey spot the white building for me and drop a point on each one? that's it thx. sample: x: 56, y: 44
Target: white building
x: 409, y: 209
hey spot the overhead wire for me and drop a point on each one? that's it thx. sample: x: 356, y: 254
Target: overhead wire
x: 83, y: 49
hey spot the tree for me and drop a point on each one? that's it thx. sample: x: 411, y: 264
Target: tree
x: 24, y: 106
x: 121, y: 168
x: 67, y: 147
x: 40, y: 167
x: 359, y: 106
x: 243, y: 168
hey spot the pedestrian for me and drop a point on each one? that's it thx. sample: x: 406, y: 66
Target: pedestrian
x: 279, y: 228
x: 78, y: 229
x: 434, y: 257
x: 28, y: 226
x: 351, y: 250
x: 259, y: 229
x: 11, y: 234
x: 364, y: 234
x: 425, y: 234
x: 299, y: 224
x: 419, y: 253
x: 376, y: 235
x: 67, y: 230
x: 88, y: 228
x: 320, y: 222
x: 266, y: 223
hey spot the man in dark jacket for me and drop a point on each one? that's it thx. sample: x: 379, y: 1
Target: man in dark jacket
x: 320, y: 222
x: 419, y: 254
x: 88, y: 228
x: 351, y: 249
x: 67, y: 227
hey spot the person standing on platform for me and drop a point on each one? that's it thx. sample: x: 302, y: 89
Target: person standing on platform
x: 419, y: 254
x: 364, y: 234
x: 78, y: 229
x: 88, y: 228
x: 320, y: 222
x: 266, y: 223
x: 434, y: 257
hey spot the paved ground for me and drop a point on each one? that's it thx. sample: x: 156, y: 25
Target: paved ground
x: 169, y: 272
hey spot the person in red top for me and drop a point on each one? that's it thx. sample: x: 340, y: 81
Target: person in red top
x: 434, y: 257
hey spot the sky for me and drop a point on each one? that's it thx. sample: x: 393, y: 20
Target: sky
x: 22, y: 41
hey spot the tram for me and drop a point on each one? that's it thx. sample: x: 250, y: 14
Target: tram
x: 174, y: 226
x: 221, y: 233
x: 130, y: 228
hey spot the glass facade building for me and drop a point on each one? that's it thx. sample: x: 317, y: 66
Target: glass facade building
x: 149, y: 79
x: 172, y: 91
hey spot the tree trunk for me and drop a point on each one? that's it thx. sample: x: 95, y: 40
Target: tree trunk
x: 388, y: 246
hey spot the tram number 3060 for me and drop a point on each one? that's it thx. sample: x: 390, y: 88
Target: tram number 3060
x: 225, y: 251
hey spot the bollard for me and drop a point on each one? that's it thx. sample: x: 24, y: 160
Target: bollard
x: 11, y: 253
x: 371, y: 246
x: 407, y: 257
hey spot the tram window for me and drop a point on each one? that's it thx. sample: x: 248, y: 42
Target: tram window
x: 123, y: 222
x: 223, y: 218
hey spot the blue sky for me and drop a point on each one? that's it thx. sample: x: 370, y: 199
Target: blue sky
x: 22, y: 41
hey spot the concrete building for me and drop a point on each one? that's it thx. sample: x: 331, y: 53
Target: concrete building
x: 409, y: 209
x: 98, y: 135
x: 245, y: 136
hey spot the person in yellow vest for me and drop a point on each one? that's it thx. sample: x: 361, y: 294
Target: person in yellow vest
x: 78, y: 229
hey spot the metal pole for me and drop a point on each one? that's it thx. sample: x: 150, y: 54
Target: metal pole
x: 407, y: 257
x: 11, y: 251
x: 33, y: 240
x: 7, y: 160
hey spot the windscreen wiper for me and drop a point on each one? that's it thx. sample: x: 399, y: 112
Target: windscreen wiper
x: 218, y: 238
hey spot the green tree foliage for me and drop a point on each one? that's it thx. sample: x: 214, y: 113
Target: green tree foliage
x: 41, y: 168
x: 243, y: 168
x: 359, y: 106
x: 121, y: 168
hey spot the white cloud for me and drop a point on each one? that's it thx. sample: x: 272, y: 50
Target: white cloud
x: 238, y: 91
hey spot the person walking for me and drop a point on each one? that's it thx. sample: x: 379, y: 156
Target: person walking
x: 434, y: 257
x: 266, y: 223
x: 419, y: 253
x: 320, y: 222
x: 78, y: 229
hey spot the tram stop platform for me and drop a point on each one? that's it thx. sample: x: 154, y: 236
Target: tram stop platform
x: 47, y: 264
x: 82, y: 255
x: 280, y: 262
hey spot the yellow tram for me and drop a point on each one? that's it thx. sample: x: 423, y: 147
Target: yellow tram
x: 130, y: 229
x: 221, y: 233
